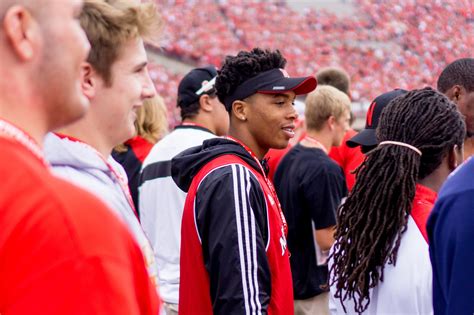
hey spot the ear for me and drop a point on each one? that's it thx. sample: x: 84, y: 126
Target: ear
x: 454, y: 93
x: 88, y: 80
x: 22, y: 32
x: 240, y: 110
x: 455, y: 157
x: 331, y: 122
x: 205, y: 103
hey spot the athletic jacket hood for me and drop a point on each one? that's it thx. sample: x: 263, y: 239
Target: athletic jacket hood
x: 187, y: 164
x: 66, y: 153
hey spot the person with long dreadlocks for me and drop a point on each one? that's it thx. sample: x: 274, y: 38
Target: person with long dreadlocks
x: 380, y: 261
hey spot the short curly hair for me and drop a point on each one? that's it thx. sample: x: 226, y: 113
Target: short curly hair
x: 246, y: 65
x: 459, y: 72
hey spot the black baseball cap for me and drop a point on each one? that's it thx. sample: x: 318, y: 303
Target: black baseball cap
x: 366, y: 137
x: 197, y: 82
x: 273, y: 81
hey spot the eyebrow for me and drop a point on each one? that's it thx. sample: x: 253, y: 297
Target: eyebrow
x: 283, y: 95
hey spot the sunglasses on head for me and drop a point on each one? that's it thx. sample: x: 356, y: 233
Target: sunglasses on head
x: 207, y: 88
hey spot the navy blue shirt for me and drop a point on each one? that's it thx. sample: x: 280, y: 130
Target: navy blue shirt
x: 451, y: 236
x: 310, y: 187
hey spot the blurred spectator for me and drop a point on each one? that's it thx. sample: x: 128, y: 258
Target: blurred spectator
x: 347, y: 158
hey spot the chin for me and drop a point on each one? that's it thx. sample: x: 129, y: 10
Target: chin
x: 280, y: 145
x: 76, y: 111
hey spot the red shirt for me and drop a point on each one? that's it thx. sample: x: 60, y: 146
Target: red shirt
x: 140, y: 147
x: 423, y: 203
x: 347, y: 158
x: 62, y: 251
x: 274, y: 157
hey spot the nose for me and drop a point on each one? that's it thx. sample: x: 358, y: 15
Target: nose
x: 293, y: 115
x: 148, y: 90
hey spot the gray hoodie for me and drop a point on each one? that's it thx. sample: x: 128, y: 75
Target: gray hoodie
x: 82, y: 165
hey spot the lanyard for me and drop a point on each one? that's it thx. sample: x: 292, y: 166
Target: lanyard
x: 316, y: 142
x: 119, y: 178
x: 193, y: 125
x: 269, y: 183
x: 9, y: 131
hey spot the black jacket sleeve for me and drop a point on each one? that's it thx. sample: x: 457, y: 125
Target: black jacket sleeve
x: 232, y: 222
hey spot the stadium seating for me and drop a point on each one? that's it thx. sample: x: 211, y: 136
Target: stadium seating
x: 382, y: 45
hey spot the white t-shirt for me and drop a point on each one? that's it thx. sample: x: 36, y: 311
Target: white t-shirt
x: 161, y: 204
x: 407, y: 286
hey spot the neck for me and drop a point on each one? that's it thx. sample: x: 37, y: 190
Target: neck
x: 435, y: 180
x: 199, y: 119
x: 244, y: 136
x: 32, y: 123
x: 468, y: 147
x: 90, y: 136
x: 320, y: 136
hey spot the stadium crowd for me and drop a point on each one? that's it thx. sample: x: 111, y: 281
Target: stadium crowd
x: 382, y: 45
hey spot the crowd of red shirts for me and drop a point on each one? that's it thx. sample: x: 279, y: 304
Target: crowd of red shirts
x: 382, y: 45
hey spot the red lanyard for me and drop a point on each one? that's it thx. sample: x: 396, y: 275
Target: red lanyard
x: 269, y: 183
x: 9, y: 131
x: 319, y: 144
x: 117, y: 175
x: 192, y: 124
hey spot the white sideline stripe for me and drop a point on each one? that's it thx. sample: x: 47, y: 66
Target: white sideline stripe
x: 240, y: 241
x: 254, y: 245
x: 248, y: 242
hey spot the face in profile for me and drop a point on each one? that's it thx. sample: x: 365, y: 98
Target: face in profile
x: 271, y: 119
x: 341, y: 126
x: 119, y: 99
x: 466, y: 107
x: 64, y: 47
x: 221, y: 116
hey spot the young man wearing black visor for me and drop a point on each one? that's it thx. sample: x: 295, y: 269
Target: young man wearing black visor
x: 234, y: 258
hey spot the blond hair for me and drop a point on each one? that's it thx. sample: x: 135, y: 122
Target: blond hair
x: 152, y: 119
x: 110, y: 24
x: 322, y: 103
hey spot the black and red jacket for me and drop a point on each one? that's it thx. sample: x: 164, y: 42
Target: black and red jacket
x: 234, y: 258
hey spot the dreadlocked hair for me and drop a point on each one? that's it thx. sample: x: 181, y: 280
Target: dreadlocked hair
x: 375, y: 214
x: 247, y: 64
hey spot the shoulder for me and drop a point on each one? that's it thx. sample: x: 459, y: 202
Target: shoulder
x: 228, y: 173
x: 92, y: 180
x: 85, y: 215
x: 460, y: 181
x: 176, y: 142
x: 55, y: 209
x: 318, y: 162
x: 325, y: 165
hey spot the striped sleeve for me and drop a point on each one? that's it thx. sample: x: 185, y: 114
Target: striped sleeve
x: 231, y: 218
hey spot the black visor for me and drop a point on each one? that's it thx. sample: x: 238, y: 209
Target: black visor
x: 273, y: 81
